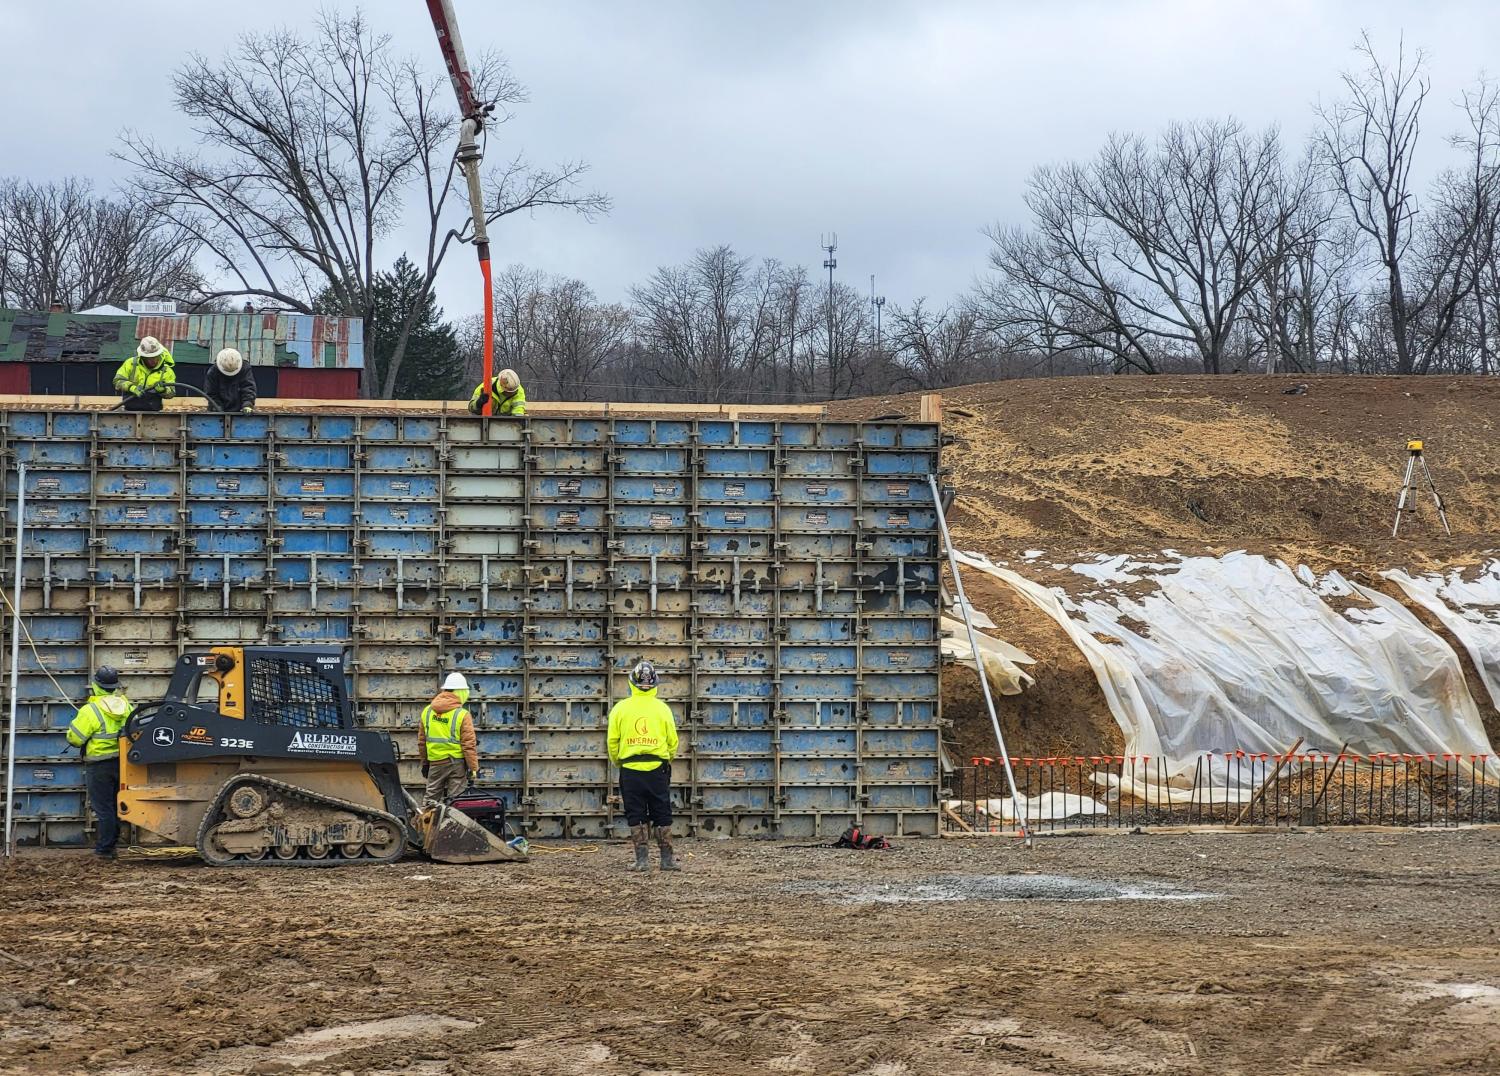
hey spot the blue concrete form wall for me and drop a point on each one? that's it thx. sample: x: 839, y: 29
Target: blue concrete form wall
x: 782, y: 575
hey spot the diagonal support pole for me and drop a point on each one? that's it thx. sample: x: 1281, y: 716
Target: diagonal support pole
x: 984, y: 681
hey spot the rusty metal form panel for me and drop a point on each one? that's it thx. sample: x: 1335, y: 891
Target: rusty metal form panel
x: 783, y: 576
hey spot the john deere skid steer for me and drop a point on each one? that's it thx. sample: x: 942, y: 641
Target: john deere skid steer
x: 271, y: 770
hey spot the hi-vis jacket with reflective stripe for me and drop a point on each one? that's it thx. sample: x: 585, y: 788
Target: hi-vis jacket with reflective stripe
x: 96, y: 727
x: 500, y: 404
x: 134, y: 376
x: 447, y: 731
x: 642, y: 734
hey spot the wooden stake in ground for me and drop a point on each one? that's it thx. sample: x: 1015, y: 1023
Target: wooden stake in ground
x: 1328, y: 777
x: 1261, y: 791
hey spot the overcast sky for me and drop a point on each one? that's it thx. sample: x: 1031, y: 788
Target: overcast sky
x: 904, y: 126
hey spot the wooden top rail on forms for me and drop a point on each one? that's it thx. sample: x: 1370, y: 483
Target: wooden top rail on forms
x: 931, y: 407
x: 424, y: 407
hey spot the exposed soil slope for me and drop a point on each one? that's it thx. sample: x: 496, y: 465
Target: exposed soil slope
x: 1082, y: 466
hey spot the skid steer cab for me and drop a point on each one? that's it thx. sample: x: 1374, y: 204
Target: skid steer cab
x: 254, y: 758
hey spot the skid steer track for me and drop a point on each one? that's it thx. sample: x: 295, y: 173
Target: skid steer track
x: 291, y: 826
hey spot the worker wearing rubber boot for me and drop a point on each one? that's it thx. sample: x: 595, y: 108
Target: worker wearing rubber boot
x: 447, y: 743
x: 96, y: 729
x: 146, y: 378
x: 643, y: 742
x: 230, y: 383
x: 507, y: 397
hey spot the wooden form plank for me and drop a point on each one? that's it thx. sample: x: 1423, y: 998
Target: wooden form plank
x: 932, y: 407
x: 451, y: 407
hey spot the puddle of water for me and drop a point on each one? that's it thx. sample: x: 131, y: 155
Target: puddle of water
x: 989, y: 887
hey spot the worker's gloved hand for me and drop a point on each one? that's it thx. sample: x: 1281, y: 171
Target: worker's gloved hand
x: 473, y: 775
x: 473, y: 407
x: 424, y: 769
x: 247, y: 410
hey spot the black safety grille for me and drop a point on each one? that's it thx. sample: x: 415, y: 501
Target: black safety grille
x: 288, y: 692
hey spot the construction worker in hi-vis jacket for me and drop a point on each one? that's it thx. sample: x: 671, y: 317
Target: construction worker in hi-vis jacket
x: 96, y: 729
x: 643, y: 743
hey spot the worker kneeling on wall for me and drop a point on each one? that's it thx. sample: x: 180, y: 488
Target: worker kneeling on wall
x: 146, y: 378
x: 447, y: 743
x: 507, y: 397
x: 230, y: 383
x: 643, y: 742
x: 96, y: 729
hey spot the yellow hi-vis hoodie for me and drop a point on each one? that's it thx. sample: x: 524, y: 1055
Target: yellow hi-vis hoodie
x: 96, y: 727
x: 642, y: 734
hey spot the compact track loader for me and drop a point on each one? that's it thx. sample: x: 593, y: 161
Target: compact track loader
x: 254, y: 757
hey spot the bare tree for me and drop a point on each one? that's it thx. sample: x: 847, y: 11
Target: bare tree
x: 314, y: 149
x: 938, y: 349
x: 708, y: 325
x: 1369, y: 141
x: 61, y: 244
x: 558, y: 335
x: 1148, y: 252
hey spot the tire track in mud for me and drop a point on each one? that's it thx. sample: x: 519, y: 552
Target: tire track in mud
x: 1309, y: 960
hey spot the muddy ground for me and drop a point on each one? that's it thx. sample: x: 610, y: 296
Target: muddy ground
x: 1328, y: 952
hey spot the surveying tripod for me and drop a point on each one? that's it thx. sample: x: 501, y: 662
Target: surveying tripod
x: 1408, y: 500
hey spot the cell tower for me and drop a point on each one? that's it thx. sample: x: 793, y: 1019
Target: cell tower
x: 830, y: 243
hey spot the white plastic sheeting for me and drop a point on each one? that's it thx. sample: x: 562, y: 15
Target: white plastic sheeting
x: 1202, y: 654
x: 1467, y: 603
x: 1049, y: 807
x: 1002, y: 661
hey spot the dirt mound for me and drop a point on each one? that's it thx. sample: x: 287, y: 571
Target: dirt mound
x: 1102, y: 461
x: 1305, y: 469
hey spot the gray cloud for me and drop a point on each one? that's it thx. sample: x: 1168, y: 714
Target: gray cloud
x: 905, y: 126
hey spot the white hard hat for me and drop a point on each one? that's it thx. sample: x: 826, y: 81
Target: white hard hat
x: 149, y: 347
x: 229, y: 362
x: 455, y: 682
x: 508, y: 380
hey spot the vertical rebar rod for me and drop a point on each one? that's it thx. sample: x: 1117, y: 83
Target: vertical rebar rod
x: 15, y: 665
x: 984, y: 681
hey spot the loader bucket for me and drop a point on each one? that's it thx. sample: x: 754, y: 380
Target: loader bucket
x: 450, y: 836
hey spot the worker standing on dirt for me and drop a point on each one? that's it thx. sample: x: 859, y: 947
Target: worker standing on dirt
x: 146, y: 378
x: 447, y: 743
x: 96, y: 729
x: 507, y: 397
x: 230, y: 383
x: 643, y: 743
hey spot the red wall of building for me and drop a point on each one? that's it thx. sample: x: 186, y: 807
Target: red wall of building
x: 296, y: 384
x: 15, y: 378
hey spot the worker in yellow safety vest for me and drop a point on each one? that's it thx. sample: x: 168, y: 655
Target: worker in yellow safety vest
x: 148, y: 377
x: 96, y: 729
x: 643, y: 743
x: 507, y: 397
x: 447, y: 743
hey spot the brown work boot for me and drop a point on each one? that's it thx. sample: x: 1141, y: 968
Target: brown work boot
x: 663, y: 836
x: 640, y: 836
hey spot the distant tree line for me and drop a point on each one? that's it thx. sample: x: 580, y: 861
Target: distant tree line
x: 1209, y: 247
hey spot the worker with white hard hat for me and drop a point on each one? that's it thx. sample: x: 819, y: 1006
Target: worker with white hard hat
x: 146, y: 378
x: 230, y: 383
x: 507, y: 397
x: 447, y: 743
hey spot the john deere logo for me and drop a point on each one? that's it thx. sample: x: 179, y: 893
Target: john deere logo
x: 164, y: 737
